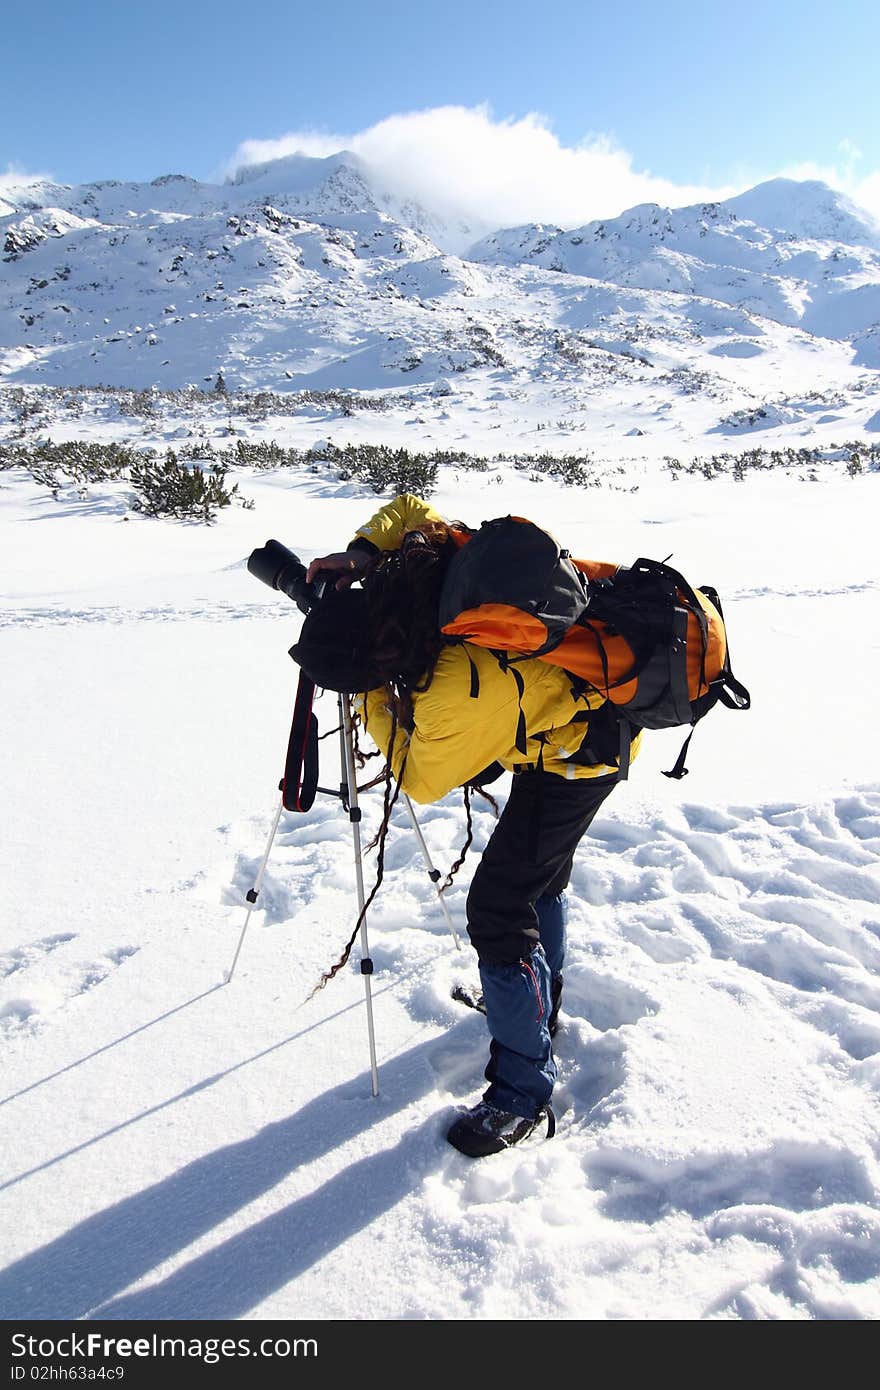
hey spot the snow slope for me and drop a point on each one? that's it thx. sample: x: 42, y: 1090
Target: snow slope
x: 176, y: 1147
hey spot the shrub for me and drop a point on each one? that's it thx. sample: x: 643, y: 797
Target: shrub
x: 384, y: 469
x: 167, y: 487
x: 573, y: 470
x: 854, y: 455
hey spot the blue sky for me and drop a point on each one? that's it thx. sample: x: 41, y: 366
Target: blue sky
x: 699, y: 94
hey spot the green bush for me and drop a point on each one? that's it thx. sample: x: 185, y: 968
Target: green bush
x: 854, y: 455
x: 573, y: 470
x: 167, y: 487
x: 387, y: 470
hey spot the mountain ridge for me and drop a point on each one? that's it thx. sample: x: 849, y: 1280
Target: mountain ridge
x: 305, y: 273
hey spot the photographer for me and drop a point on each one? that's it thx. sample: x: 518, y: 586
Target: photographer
x: 443, y: 713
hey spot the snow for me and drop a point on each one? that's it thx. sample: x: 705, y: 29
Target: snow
x: 797, y: 253
x: 806, y: 208
x: 181, y: 1147
x: 184, y: 1148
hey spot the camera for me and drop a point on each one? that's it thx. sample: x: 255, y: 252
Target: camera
x: 275, y: 565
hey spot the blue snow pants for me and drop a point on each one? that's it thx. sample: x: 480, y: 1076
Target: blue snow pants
x: 516, y: 922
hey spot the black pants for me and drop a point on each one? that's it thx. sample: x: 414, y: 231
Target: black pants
x: 530, y: 852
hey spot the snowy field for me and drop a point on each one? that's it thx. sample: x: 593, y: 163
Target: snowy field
x: 177, y: 1148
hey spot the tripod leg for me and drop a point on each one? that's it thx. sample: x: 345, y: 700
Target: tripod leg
x: 254, y: 893
x: 433, y: 874
x: 351, y: 800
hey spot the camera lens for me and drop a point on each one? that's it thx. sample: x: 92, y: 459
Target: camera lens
x: 275, y: 565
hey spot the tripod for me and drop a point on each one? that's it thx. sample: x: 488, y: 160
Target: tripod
x: 298, y: 788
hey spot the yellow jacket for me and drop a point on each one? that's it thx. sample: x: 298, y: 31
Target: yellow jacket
x: 457, y: 735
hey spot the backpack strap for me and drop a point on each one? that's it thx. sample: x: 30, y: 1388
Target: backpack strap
x: 679, y: 770
x: 630, y: 674
x: 731, y: 692
x: 475, y: 677
x: 537, y: 814
x: 726, y: 688
x: 624, y: 752
x: 584, y: 622
x: 504, y: 662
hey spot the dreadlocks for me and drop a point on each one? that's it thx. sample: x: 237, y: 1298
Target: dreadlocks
x: 403, y: 597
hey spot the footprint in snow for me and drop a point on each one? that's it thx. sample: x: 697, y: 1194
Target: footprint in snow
x: 59, y: 990
x: 844, y: 1239
x: 709, y: 818
x: 854, y: 1028
x: 22, y: 956
x: 96, y: 973
x: 825, y: 922
x: 791, y: 1174
x: 15, y: 1015
x: 602, y: 1000
x: 663, y: 936
x: 784, y: 952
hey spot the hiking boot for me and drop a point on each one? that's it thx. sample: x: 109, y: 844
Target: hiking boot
x: 484, y: 1129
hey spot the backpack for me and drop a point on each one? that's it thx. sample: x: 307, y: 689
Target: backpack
x: 641, y: 636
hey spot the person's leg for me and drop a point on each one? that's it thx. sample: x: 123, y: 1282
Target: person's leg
x: 529, y: 852
x: 521, y: 1070
x: 552, y: 910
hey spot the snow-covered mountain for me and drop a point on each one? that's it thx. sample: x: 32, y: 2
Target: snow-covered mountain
x: 306, y: 273
x: 344, y: 183
x: 797, y: 253
x: 289, y: 272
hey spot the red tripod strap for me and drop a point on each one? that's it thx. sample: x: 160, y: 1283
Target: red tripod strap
x: 300, y: 781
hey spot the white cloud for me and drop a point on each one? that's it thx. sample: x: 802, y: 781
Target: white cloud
x: 867, y: 193
x: 464, y: 163
x: 310, y: 142
x: 863, y: 189
x: 16, y: 179
x: 849, y: 149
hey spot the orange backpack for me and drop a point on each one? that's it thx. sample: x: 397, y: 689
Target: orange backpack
x: 641, y: 636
